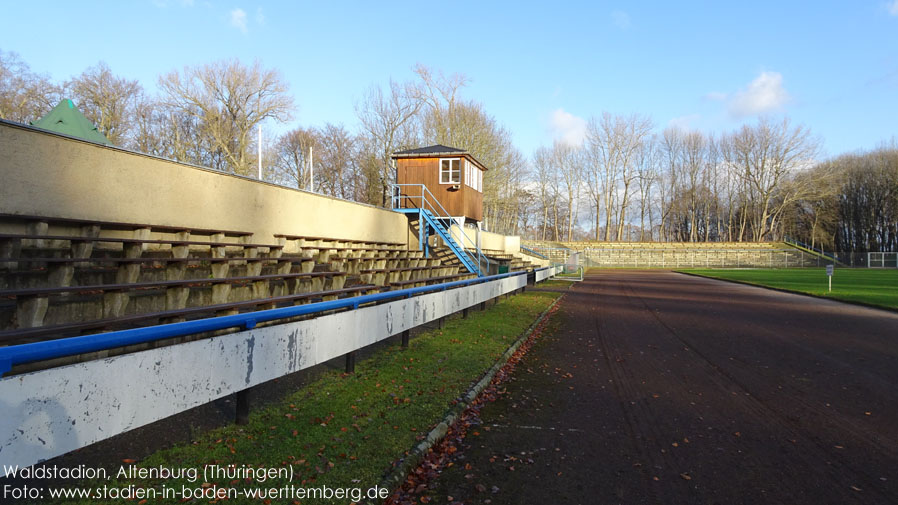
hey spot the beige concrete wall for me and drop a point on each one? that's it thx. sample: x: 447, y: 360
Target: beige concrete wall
x: 491, y: 240
x: 53, y: 176
x: 510, y: 244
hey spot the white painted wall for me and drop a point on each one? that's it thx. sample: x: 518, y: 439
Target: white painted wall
x: 51, y: 412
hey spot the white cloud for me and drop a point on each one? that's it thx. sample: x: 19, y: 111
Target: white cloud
x: 893, y: 8
x: 260, y: 17
x: 238, y: 19
x: 622, y: 20
x: 568, y: 128
x: 764, y: 94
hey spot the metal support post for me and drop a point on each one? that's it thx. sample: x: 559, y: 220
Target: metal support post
x: 242, y: 399
x: 350, y: 362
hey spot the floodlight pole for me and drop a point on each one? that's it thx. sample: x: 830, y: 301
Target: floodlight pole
x: 260, y: 151
x: 311, y: 171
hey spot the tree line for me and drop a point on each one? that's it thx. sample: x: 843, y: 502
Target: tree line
x: 759, y: 182
x: 627, y: 181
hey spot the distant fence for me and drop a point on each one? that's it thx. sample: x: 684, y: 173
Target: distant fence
x: 51, y: 412
x: 698, y: 258
x: 709, y: 255
x: 882, y: 259
x: 682, y: 257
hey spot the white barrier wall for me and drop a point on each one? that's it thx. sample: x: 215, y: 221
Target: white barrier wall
x: 544, y: 274
x: 51, y: 412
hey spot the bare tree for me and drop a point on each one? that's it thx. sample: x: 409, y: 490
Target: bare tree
x: 291, y: 158
x: 334, y: 163
x: 767, y: 155
x: 691, y: 171
x: 613, y: 143
x: 569, y: 163
x: 633, y: 132
x: 646, y: 177
x: 440, y: 93
x: 672, y: 154
x: 147, y: 127
x: 230, y: 100
x: 547, y: 189
x: 449, y: 120
x: 388, y: 124
x: 24, y: 95
x: 110, y: 102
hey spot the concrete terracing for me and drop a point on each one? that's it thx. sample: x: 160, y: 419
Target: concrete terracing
x: 94, y: 238
x: 677, y: 254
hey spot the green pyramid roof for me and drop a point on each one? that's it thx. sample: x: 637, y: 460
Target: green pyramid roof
x: 65, y: 118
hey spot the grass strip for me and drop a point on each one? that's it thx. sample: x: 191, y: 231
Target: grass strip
x: 551, y: 284
x: 866, y: 286
x: 345, y: 431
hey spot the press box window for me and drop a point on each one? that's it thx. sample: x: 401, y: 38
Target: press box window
x: 473, y: 176
x: 450, y: 171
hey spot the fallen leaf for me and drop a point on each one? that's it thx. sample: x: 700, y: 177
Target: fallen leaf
x: 685, y: 476
x: 129, y: 461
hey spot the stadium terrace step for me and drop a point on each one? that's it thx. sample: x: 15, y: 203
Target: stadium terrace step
x: 43, y: 221
x: 26, y: 335
x: 415, y: 283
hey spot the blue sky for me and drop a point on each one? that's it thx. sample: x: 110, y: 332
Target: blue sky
x: 541, y: 68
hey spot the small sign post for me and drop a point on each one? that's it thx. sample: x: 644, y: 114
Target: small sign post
x: 829, y: 275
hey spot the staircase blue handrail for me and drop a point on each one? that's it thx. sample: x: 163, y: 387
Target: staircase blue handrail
x: 440, y: 219
x: 533, y: 253
x: 443, y: 232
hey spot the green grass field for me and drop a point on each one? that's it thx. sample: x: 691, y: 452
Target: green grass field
x: 344, y: 431
x: 862, y: 285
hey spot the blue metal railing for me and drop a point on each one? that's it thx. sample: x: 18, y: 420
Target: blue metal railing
x: 40, y: 351
x: 424, y: 202
x: 444, y: 232
x: 533, y: 253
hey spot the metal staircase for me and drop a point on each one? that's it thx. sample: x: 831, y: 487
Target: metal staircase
x: 417, y: 202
